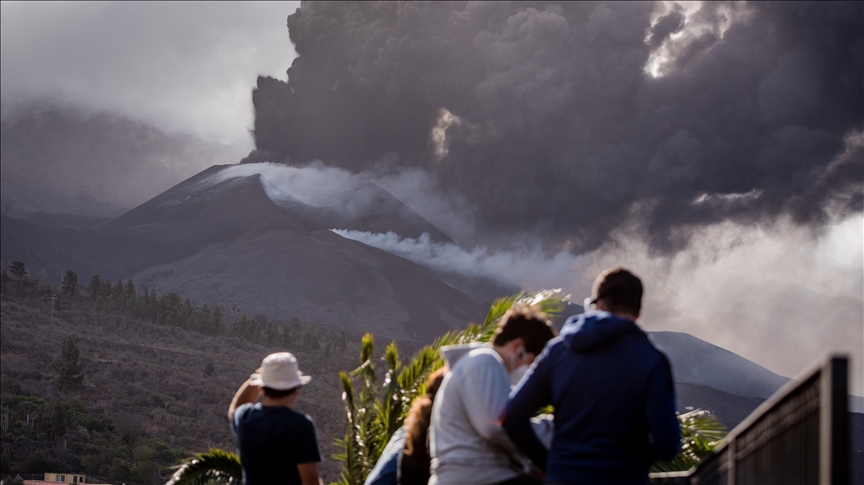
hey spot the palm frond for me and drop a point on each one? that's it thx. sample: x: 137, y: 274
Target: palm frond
x: 215, y: 467
x: 700, y: 433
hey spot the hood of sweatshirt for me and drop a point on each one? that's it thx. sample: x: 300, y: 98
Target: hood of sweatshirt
x: 452, y: 353
x: 592, y: 329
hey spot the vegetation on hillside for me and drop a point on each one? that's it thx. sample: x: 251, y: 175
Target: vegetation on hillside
x: 128, y: 383
x: 103, y: 385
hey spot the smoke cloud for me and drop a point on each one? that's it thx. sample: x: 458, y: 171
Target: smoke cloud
x: 569, y: 120
x: 105, y: 154
x: 778, y: 293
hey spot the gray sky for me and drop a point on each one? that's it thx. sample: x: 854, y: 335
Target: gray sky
x: 185, y: 66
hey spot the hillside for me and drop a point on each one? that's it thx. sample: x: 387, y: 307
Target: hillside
x: 144, y: 382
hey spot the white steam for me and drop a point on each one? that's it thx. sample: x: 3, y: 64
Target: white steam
x: 529, y: 267
x: 321, y: 186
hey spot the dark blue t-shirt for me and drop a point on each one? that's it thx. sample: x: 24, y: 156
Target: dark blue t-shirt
x: 272, y: 441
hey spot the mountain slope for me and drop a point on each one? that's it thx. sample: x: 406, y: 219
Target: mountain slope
x: 695, y: 361
x: 319, y: 276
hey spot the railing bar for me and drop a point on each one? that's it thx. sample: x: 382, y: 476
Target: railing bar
x: 800, y: 434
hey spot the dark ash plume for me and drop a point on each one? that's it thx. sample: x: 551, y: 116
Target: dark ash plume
x: 570, y: 119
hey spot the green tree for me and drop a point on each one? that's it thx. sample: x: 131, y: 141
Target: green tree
x: 217, y: 324
x: 131, y: 295
x: 70, y: 375
x: 209, y: 370
x: 240, y: 324
x: 286, y: 337
x: 272, y: 334
x: 70, y: 283
x: 106, y: 291
x: 18, y: 269
x: 94, y: 289
x: 310, y: 337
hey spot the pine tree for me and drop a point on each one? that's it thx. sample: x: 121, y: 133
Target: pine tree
x: 106, y: 291
x: 272, y: 334
x: 70, y: 283
x: 205, y: 320
x: 94, y: 289
x: 70, y: 375
x: 131, y: 296
x: 287, y: 337
x: 18, y: 269
x: 217, y: 324
x: 240, y: 324
x: 186, y: 316
x: 119, y: 293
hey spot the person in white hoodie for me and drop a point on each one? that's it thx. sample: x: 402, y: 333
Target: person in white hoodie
x: 467, y: 443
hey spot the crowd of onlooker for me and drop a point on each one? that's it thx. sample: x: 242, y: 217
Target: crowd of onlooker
x: 610, y: 391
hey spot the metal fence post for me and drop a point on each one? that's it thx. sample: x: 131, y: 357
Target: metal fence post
x: 834, y: 423
x: 731, y: 451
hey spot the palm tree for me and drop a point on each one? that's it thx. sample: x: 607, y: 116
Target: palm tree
x: 374, y: 413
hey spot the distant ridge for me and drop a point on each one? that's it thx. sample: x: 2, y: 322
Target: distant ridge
x: 695, y: 361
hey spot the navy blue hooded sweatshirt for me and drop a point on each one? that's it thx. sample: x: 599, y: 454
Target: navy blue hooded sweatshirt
x: 613, y: 399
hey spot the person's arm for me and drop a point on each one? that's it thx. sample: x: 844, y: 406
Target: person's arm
x: 663, y: 428
x: 307, y: 453
x: 246, y: 394
x: 532, y: 393
x: 484, y: 388
x: 309, y: 473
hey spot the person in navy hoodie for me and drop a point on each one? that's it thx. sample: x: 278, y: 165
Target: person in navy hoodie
x: 611, y: 390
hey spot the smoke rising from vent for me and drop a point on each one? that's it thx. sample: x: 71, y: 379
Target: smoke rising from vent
x: 569, y: 120
x: 776, y: 295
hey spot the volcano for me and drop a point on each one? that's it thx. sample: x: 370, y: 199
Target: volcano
x: 223, y: 240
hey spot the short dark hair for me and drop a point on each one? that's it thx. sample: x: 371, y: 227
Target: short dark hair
x: 620, y: 290
x: 525, y: 322
x: 276, y: 393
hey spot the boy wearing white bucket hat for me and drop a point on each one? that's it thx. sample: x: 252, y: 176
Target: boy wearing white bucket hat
x: 277, y: 443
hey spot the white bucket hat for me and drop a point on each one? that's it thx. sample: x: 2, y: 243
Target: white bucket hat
x: 279, y: 371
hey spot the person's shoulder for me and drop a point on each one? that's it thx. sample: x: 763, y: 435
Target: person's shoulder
x: 246, y: 409
x: 482, y: 356
x: 302, y: 419
x: 657, y: 358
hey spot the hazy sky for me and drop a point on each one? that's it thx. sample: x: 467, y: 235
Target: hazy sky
x: 186, y: 66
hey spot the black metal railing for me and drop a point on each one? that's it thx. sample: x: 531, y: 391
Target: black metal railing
x: 800, y: 435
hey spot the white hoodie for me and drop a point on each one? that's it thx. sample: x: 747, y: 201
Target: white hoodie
x: 468, y: 444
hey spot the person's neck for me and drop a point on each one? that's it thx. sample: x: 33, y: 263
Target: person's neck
x: 287, y: 401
